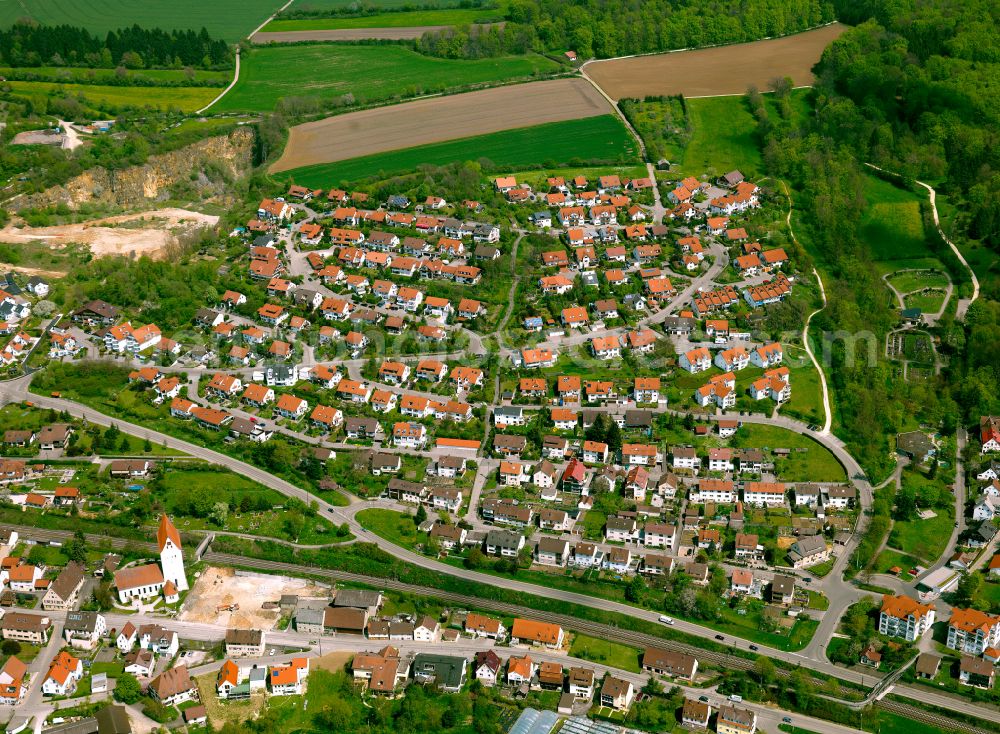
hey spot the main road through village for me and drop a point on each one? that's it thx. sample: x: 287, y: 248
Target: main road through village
x: 812, y: 657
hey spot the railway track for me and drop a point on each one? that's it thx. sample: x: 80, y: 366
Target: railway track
x: 605, y: 631
x: 929, y: 717
x: 723, y: 661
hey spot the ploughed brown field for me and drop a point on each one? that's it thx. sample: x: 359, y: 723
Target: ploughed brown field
x: 436, y: 119
x: 347, y: 34
x: 715, y: 71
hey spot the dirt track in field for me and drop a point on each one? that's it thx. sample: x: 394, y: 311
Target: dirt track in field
x: 439, y: 118
x: 715, y: 71
x: 351, y: 34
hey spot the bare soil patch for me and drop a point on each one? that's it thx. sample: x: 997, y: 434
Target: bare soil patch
x: 436, y: 119
x: 144, y: 233
x: 219, y: 587
x: 715, y: 71
x: 350, y: 34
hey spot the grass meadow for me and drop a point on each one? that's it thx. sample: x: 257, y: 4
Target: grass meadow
x: 815, y: 464
x: 927, y: 301
x: 909, y: 281
x: 925, y: 539
x: 370, y: 73
x: 110, y: 98
x: 601, y: 138
x: 891, y: 225
x: 227, y: 19
x: 722, y: 138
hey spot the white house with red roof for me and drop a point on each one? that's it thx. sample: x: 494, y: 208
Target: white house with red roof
x: 989, y: 433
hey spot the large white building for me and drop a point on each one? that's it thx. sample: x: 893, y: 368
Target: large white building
x: 973, y: 631
x: 904, y: 617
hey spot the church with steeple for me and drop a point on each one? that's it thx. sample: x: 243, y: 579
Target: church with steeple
x: 167, y: 578
x: 171, y: 557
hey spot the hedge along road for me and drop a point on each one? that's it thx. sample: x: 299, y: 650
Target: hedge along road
x: 713, y: 72
x: 436, y: 119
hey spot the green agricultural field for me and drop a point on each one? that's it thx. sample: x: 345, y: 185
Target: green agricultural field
x: 722, y: 138
x: 891, y: 224
x: 227, y: 19
x: 592, y: 139
x: 370, y: 73
x: 109, y: 99
x: 403, y: 19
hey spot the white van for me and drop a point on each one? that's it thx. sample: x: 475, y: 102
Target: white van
x: 667, y: 620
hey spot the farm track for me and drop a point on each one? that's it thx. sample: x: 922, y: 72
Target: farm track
x: 403, y: 33
x: 713, y: 72
x: 436, y: 119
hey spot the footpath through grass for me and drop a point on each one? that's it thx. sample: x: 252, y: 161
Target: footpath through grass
x: 594, y: 139
x: 369, y: 73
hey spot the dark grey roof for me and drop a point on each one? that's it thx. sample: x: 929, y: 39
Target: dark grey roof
x: 503, y: 538
x: 81, y: 621
x: 447, y: 670
x: 359, y: 598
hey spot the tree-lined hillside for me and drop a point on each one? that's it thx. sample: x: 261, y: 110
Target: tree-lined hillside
x: 31, y: 44
x: 606, y: 28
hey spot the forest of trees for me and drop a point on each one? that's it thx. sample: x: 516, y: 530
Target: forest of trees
x: 605, y: 28
x: 907, y: 90
x: 27, y: 43
x: 922, y: 77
